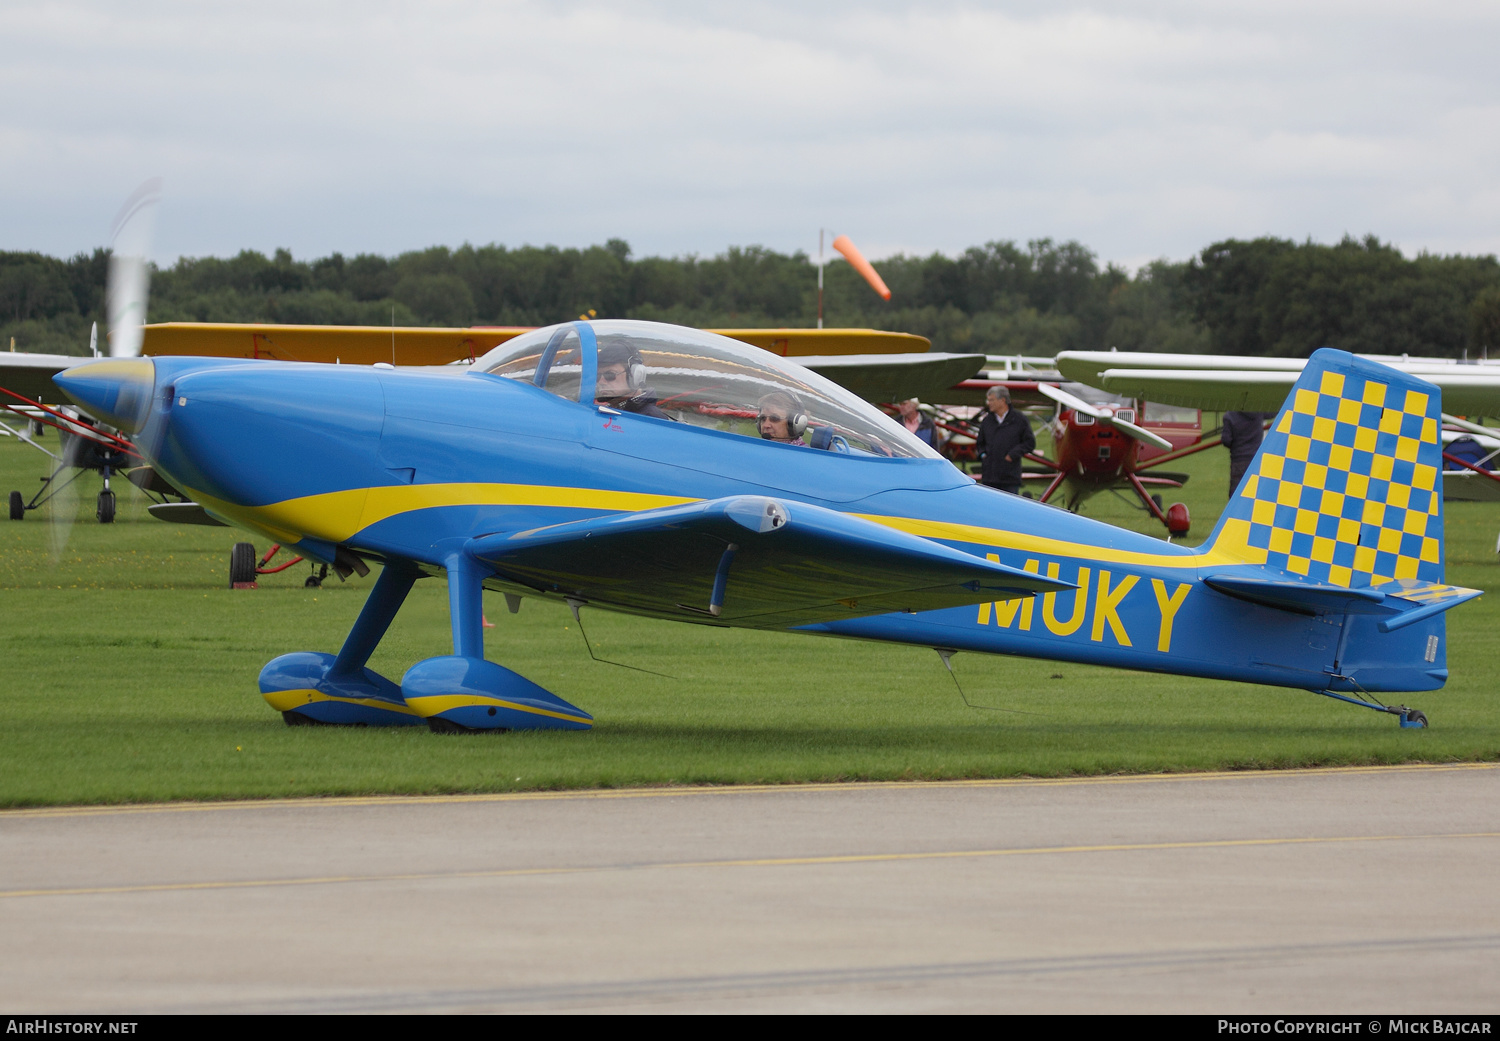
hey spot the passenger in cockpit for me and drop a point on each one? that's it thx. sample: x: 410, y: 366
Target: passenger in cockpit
x: 622, y: 378
x: 780, y: 418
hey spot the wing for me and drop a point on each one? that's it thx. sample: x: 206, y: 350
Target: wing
x: 749, y: 561
x: 406, y: 345
x: 1023, y: 393
x: 1215, y: 382
x: 1222, y: 391
x: 1085, y: 366
x: 350, y: 344
x: 896, y: 377
x: 795, y: 343
x: 31, y: 375
x: 1223, y: 383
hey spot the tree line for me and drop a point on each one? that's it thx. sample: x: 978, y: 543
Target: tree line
x: 1263, y: 296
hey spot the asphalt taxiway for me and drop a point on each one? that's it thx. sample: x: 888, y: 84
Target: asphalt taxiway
x: 1369, y: 889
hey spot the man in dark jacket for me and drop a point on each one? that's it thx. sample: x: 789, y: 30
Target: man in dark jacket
x: 1004, y: 438
x: 1241, y: 434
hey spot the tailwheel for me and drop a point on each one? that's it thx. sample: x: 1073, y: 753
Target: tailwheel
x: 104, y: 509
x: 1412, y: 718
x: 17, y: 506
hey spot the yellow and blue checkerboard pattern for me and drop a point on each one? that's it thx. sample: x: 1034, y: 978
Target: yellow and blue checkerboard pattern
x: 1347, y: 487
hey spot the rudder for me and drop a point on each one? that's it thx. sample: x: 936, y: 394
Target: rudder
x: 1347, y: 486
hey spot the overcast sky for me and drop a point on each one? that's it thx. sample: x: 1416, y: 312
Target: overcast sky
x: 1140, y: 129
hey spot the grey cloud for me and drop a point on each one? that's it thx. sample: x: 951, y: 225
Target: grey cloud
x: 1142, y: 129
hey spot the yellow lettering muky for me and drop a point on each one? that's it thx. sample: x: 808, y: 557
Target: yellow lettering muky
x: 1169, y: 607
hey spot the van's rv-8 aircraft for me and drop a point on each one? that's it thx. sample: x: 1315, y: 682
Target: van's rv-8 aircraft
x: 755, y: 493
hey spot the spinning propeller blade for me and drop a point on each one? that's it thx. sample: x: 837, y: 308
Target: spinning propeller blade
x: 125, y: 305
x: 1077, y: 404
x: 130, y: 270
x: 62, y: 503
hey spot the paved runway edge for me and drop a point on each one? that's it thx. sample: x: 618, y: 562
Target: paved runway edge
x: 679, y: 791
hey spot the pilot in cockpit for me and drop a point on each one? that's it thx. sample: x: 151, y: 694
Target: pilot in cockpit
x: 622, y: 381
x: 780, y: 418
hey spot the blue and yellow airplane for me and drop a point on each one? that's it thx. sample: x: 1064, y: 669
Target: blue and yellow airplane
x: 677, y: 474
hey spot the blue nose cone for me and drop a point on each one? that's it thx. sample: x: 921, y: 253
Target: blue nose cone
x: 116, y: 391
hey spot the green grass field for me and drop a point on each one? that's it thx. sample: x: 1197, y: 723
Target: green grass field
x: 127, y: 673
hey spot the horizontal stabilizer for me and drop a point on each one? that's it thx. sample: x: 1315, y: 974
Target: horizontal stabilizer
x: 1402, y: 602
x: 1419, y: 600
x: 1298, y: 597
x: 750, y: 560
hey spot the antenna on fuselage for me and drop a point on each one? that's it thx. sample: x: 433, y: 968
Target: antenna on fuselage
x: 947, y: 653
x: 574, y: 605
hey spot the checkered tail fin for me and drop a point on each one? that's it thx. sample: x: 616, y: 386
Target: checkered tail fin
x: 1347, y: 487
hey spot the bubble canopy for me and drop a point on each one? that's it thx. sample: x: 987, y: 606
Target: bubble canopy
x: 700, y: 379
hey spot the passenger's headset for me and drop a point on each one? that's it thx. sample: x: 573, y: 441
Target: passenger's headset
x: 796, y: 424
x: 635, y: 370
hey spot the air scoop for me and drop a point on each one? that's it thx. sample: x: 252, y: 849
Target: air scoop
x: 116, y: 391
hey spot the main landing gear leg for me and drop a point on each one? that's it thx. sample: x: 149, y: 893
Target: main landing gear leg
x: 309, y: 687
x: 1411, y: 718
x: 464, y: 692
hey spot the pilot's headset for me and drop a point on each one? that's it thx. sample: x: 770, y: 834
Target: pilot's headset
x: 626, y: 354
x: 796, y: 419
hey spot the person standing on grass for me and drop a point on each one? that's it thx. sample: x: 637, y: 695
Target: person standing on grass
x: 913, y: 418
x: 1004, y: 439
x: 1241, y: 434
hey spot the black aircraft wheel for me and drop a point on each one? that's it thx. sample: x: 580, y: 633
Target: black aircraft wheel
x: 105, y: 509
x: 17, y: 506
x: 1417, y: 716
x: 1157, y: 499
x: 312, y: 582
x: 241, y: 564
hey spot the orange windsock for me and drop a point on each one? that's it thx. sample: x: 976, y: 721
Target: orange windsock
x: 857, y: 261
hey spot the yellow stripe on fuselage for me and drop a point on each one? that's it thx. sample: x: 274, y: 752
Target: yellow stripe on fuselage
x: 1040, y: 544
x: 338, y: 516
